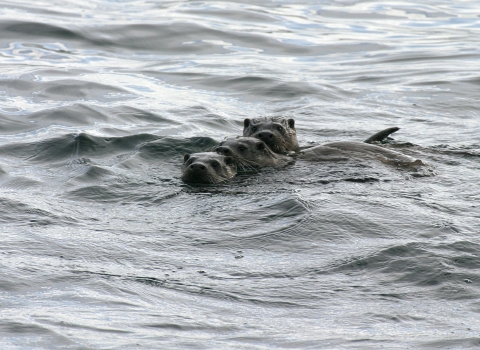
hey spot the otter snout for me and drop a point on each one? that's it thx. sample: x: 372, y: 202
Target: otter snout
x: 224, y: 150
x: 265, y: 135
x: 197, y: 167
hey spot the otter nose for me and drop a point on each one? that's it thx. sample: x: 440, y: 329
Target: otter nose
x: 223, y: 150
x: 197, y: 167
x: 265, y: 135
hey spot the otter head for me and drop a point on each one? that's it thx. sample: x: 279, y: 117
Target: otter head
x: 207, y: 168
x: 278, y: 133
x: 250, y: 152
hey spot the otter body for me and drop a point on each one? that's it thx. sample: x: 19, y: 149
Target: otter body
x: 246, y: 150
x: 207, y: 168
x: 280, y: 136
x: 344, y: 150
x: 278, y: 133
x: 272, y: 142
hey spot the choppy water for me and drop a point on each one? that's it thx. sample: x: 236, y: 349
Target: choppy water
x: 102, y: 246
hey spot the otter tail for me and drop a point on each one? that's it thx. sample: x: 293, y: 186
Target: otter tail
x: 381, y: 136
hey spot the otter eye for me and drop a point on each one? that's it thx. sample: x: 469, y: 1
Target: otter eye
x: 215, y: 164
x: 254, y: 128
x: 280, y: 128
x: 242, y: 148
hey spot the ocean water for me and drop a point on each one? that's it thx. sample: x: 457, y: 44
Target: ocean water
x: 103, y: 247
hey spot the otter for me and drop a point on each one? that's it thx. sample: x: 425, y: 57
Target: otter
x: 278, y: 133
x: 208, y: 168
x: 344, y: 150
x: 255, y: 153
x: 249, y: 152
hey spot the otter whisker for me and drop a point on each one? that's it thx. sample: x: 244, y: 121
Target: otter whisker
x: 246, y: 165
x: 211, y: 149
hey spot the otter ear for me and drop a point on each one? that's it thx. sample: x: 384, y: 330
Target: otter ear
x: 291, y: 123
x: 260, y: 146
x: 229, y: 160
x: 246, y: 123
x: 186, y: 157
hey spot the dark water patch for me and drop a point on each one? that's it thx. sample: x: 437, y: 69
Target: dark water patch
x: 207, y: 291
x: 15, y: 331
x: 20, y: 30
x: 106, y: 186
x: 266, y: 87
x: 420, y: 265
x: 94, y: 174
x: 288, y: 90
x: 111, y: 193
x: 197, y: 284
x: 73, y: 115
x: 270, y: 224
x: 473, y: 81
x: 413, y: 57
x: 461, y: 246
x: 13, y: 124
x: 198, y: 120
x: 361, y: 179
x: 10, y: 327
x: 14, y: 87
x: 75, y: 90
x: 350, y: 14
x: 19, y: 183
x: 17, y: 212
x: 85, y: 114
x: 158, y: 38
x: 242, y: 15
x: 181, y: 327
x: 172, y: 149
x: 211, y: 121
x: 258, y: 87
x: 466, y: 151
x: 453, y: 342
x: 130, y: 114
x: 74, y: 146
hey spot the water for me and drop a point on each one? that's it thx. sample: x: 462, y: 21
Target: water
x: 103, y: 247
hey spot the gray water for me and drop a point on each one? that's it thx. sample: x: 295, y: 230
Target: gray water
x: 103, y: 247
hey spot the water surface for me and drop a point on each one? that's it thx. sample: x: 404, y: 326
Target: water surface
x: 104, y: 247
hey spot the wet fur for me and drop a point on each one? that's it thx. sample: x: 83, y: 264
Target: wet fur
x: 381, y: 136
x: 250, y: 153
x: 216, y: 168
x: 333, y: 151
x: 360, y: 150
x: 284, y: 135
